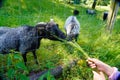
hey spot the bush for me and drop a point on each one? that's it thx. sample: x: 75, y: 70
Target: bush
x: 103, y: 2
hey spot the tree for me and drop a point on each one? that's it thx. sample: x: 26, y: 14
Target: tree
x: 94, y: 4
x: 114, y: 6
x: 77, y: 1
x: 103, y: 2
x: 84, y: 1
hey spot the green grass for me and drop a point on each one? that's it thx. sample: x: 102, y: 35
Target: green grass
x: 92, y: 38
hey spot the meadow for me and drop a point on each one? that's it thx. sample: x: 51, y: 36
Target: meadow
x: 93, y: 39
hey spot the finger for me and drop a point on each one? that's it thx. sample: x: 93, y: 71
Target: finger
x: 90, y: 60
x: 90, y: 63
x: 93, y: 66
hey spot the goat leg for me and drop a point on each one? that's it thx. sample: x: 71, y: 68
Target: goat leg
x: 76, y: 37
x: 24, y: 58
x: 35, y: 57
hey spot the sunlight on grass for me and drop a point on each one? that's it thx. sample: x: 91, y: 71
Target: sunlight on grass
x: 59, y: 21
x: 103, y: 8
x: 101, y: 40
x: 23, y: 4
x: 118, y: 16
x: 62, y: 3
x: 93, y: 40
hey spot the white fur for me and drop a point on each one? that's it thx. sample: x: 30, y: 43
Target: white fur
x: 72, y: 29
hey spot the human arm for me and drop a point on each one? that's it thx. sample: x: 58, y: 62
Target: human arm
x: 111, y: 72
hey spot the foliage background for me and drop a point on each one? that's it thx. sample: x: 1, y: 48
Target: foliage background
x: 92, y: 38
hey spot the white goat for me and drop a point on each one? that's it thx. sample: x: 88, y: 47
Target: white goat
x: 72, y: 26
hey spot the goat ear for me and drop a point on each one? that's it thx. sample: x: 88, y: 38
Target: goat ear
x: 41, y: 25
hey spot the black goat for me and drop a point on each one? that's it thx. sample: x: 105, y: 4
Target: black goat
x: 27, y: 38
x: 105, y: 15
x: 72, y: 26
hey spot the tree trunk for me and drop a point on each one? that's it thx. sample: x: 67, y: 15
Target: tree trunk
x: 114, y: 6
x: 56, y: 72
x: 94, y: 4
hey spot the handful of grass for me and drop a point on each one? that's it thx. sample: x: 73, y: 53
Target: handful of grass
x: 74, y: 44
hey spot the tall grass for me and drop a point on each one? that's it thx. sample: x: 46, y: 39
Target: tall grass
x: 92, y: 39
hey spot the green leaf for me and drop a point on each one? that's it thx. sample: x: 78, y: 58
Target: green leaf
x: 9, y: 61
x: 50, y: 64
x: 21, y: 65
x: 10, y: 73
x: 17, y: 56
x: 23, y: 77
x: 47, y: 76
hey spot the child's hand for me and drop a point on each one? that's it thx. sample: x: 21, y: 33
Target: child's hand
x: 98, y: 75
x: 100, y: 66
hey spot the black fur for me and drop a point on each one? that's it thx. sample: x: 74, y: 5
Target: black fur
x: 27, y: 38
x: 75, y: 12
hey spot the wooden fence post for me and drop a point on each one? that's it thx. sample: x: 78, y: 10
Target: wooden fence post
x: 114, y: 6
x: 94, y: 4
